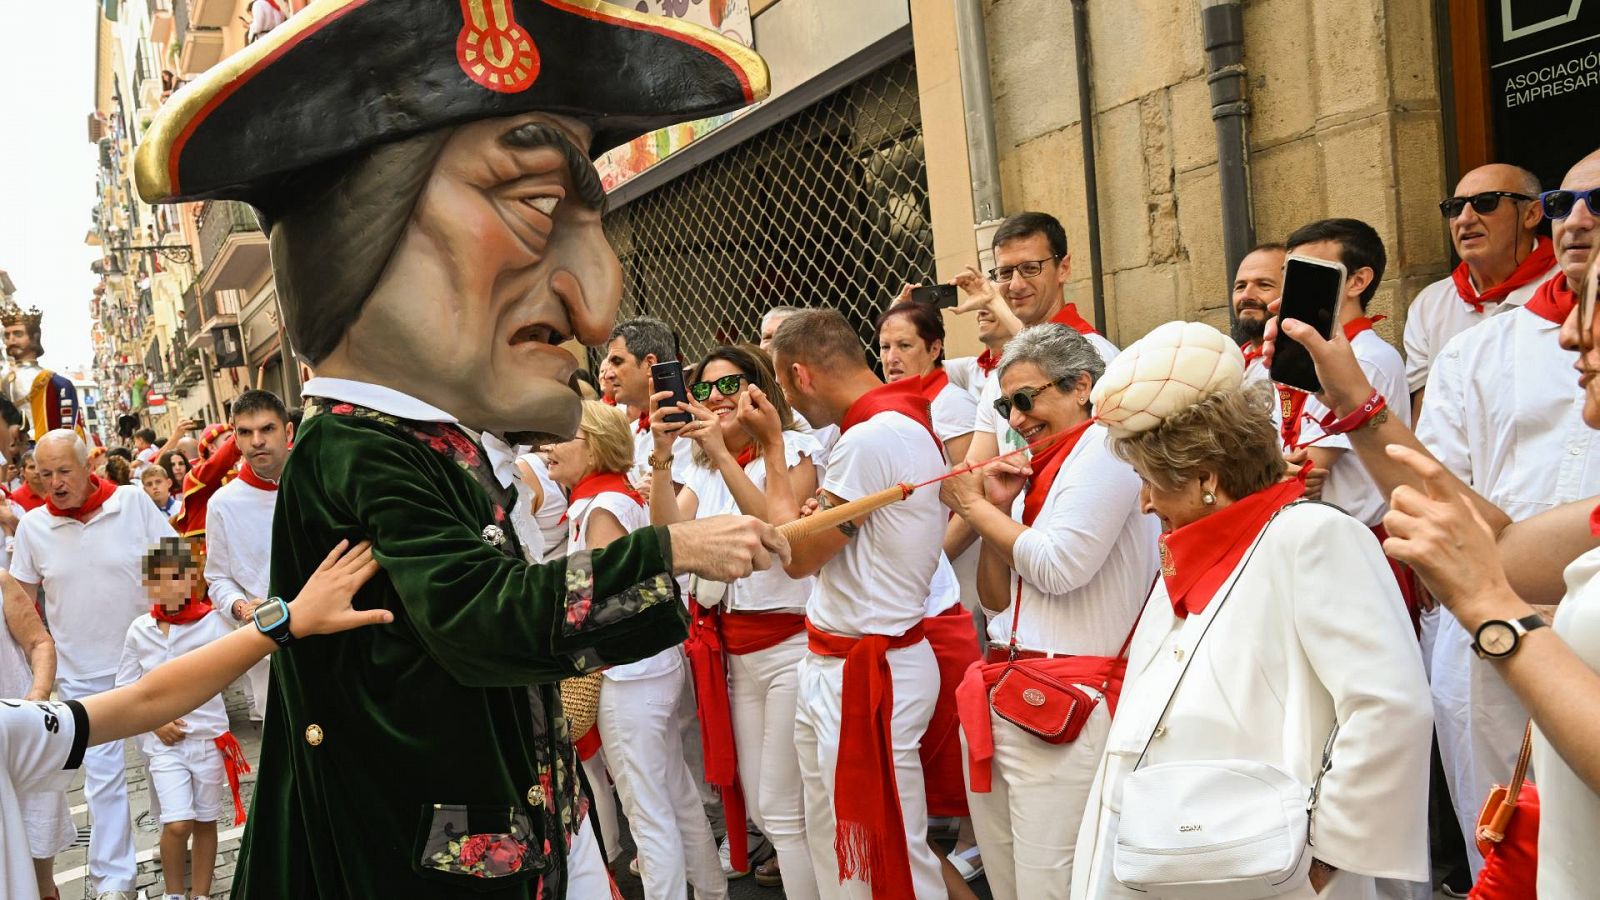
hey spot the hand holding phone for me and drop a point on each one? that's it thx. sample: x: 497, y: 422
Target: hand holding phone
x: 1312, y: 292
x: 668, y: 376
x: 939, y: 296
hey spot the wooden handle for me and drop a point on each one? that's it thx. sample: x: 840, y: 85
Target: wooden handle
x: 833, y: 517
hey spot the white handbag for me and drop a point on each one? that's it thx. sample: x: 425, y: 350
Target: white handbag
x: 1215, y: 829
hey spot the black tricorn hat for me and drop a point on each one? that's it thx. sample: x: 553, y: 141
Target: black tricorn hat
x: 344, y: 75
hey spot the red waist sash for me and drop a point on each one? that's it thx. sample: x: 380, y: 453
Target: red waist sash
x: 972, y: 701
x: 757, y: 631
x: 869, y: 838
x: 235, y: 764
x: 708, y: 668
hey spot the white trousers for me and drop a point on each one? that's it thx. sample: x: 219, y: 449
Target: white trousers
x: 111, y: 850
x: 763, y: 688
x: 1027, y: 825
x: 587, y: 876
x: 915, y: 675
x: 644, y: 749
x: 605, y: 802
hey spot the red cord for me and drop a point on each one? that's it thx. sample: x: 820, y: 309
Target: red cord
x: 962, y: 470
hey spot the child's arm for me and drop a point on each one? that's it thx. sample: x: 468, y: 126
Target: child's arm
x: 178, y: 687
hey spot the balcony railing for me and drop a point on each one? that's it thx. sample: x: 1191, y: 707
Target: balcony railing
x: 218, y: 220
x: 193, y: 316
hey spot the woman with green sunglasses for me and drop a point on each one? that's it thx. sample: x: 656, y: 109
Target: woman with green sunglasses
x: 741, y: 426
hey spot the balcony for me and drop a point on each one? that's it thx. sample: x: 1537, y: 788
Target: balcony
x: 233, y: 249
x: 202, y: 49
x: 211, y: 13
x: 193, y: 320
x: 162, y: 23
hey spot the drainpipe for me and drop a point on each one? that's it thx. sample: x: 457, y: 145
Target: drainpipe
x: 1222, y: 29
x: 977, y: 97
x: 1091, y: 185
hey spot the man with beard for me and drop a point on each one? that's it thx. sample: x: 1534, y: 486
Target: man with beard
x: 423, y: 171
x: 48, y: 400
x: 1258, y: 282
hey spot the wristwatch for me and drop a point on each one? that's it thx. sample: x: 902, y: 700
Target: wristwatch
x: 1498, y: 638
x: 660, y: 463
x: 272, y: 620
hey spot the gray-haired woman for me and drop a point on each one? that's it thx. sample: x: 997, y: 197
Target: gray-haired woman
x: 1067, y: 557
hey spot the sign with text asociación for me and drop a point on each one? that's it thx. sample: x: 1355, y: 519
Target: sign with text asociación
x: 1544, y: 75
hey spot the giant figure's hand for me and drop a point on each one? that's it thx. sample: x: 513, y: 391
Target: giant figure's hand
x: 725, y: 548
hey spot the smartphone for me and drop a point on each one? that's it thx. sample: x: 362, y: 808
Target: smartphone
x: 940, y: 296
x: 1312, y: 290
x: 668, y: 376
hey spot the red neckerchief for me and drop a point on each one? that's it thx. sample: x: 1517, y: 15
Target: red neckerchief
x: 748, y: 455
x: 1540, y: 260
x: 1554, y: 300
x: 1292, y: 401
x: 249, y: 476
x: 934, y: 382
x: 100, y: 490
x: 193, y: 610
x: 1046, y: 464
x: 1197, y: 558
x: 597, y: 483
x: 987, y: 361
x: 1252, y: 352
x: 903, y: 396
x: 643, y: 425
x: 1069, y: 317
x: 26, y: 498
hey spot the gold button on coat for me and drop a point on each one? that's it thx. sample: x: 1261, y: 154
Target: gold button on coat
x: 314, y: 735
x: 536, y: 796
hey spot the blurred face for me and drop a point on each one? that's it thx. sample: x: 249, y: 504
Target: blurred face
x: 1180, y: 507
x: 629, y: 375
x: 1575, y: 235
x: 904, y: 353
x: 158, y: 486
x: 30, y: 475
x: 263, y: 438
x: 1258, y: 282
x: 505, y: 257
x: 66, y: 481
x: 569, y: 461
x: 724, y: 406
x: 179, y: 467
x: 1034, y: 299
x: 1498, y: 237
x: 1581, y: 333
x: 170, y: 587
x: 986, y: 325
x: 1054, y: 408
x: 769, y: 327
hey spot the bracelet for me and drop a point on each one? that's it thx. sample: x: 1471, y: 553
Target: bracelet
x: 1362, y: 414
x: 660, y: 463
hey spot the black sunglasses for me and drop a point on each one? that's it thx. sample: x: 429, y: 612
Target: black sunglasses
x: 1022, y: 400
x: 727, y: 386
x: 1559, y: 204
x: 1482, y: 204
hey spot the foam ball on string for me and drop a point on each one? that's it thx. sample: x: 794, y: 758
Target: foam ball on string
x: 1167, y: 371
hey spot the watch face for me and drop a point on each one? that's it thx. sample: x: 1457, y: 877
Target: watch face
x: 270, y: 616
x: 1496, y: 638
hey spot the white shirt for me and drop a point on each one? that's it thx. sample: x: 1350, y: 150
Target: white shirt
x: 878, y: 584
x: 146, y: 647
x: 761, y: 591
x: 1505, y: 415
x: 1569, y: 810
x: 542, y: 532
x: 376, y: 397
x: 1349, y: 487
x: 41, y: 747
x: 825, y: 435
x: 1438, y: 314
x: 633, y: 517
x: 644, y: 446
x: 1085, y: 566
x: 239, y: 544
x: 93, y: 576
x: 954, y: 411
x: 989, y: 420
x: 965, y: 374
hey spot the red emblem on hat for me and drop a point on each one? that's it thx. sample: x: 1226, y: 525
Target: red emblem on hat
x: 493, y: 49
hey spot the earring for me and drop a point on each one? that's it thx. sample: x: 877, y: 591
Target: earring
x: 1208, y: 498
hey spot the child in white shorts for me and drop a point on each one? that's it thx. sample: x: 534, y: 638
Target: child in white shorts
x: 189, y: 757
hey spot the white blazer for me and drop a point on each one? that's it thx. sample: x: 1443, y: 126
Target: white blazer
x: 1314, y: 631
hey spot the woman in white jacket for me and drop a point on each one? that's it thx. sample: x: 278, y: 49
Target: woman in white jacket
x: 1304, y: 635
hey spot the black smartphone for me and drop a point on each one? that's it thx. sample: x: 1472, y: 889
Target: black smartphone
x: 940, y: 296
x: 668, y: 376
x: 1312, y: 289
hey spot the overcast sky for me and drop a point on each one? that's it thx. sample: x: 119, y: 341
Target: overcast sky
x: 47, y: 167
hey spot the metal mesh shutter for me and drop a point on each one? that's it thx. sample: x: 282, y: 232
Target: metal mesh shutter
x: 827, y: 208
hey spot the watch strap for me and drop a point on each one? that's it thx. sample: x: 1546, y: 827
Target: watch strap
x: 280, y: 633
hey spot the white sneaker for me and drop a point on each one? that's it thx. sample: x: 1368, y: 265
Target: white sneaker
x: 117, y: 895
x: 725, y: 855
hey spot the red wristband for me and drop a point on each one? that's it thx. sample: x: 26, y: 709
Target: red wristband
x: 1357, y: 418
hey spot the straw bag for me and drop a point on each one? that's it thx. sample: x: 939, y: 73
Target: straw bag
x: 580, y: 703
x: 1508, y: 836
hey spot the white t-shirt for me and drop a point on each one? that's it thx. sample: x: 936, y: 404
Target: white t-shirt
x: 146, y: 647
x: 93, y: 576
x: 954, y: 412
x: 1086, y: 564
x: 772, y: 589
x: 989, y: 420
x: 878, y: 584
x: 633, y: 517
x: 644, y: 445
x: 944, y: 590
x: 239, y: 544
x: 547, y: 524
x: 1349, y: 487
x: 1438, y: 314
x: 825, y: 435
x: 1569, y: 810
x: 41, y: 747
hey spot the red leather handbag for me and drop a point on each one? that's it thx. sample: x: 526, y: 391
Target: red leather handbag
x: 1508, y: 836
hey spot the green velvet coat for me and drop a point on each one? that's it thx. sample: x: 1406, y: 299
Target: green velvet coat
x: 428, y: 758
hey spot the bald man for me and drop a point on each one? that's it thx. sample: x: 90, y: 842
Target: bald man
x: 1493, y: 217
x: 1504, y: 414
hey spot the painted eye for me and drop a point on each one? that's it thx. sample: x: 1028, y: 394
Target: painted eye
x: 546, y: 205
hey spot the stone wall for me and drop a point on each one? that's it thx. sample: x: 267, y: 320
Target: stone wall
x: 1345, y: 122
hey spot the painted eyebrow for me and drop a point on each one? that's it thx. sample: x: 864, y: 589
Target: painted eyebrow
x: 585, y: 180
